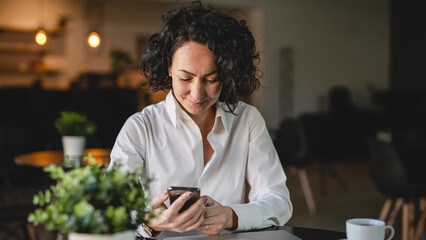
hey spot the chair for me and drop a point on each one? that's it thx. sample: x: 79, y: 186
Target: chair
x: 411, y: 148
x: 318, y: 147
x: 13, y: 215
x: 391, y: 179
x: 291, y: 146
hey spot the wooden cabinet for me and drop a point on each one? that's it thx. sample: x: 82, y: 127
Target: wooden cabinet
x: 20, y: 54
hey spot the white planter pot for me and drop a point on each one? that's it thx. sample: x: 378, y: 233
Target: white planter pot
x: 73, y: 149
x: 127, y: 235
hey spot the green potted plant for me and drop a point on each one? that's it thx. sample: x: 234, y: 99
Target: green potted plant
x: 120, y: 59
x: 91, y: 203
x: 74, y: 127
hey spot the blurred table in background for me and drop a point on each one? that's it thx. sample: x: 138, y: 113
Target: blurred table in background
x: 45, y: 158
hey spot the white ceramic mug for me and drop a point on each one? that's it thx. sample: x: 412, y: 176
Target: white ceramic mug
x: 367, y: 229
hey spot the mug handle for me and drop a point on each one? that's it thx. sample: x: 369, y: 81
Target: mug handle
x: 392, y: 231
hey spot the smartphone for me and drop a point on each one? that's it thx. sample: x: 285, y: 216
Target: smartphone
x: 175, y: 192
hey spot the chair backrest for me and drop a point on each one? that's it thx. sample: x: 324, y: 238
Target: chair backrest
x: 8, y: 196
x: 312, y: 134
x: 386, y: 169
x: 340, y: 100
x: 290, y: 143
x: 411, y: 148
x: 11, y: 142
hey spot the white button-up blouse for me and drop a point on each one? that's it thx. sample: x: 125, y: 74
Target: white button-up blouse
x: 244, y: 171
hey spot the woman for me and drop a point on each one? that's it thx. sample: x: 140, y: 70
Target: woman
x: 201, y: 134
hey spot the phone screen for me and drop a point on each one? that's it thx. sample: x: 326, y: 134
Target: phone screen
x: 176, y: 192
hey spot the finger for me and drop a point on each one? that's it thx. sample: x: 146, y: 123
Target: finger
x: 159, y: 216
x: 216, y: 219
x: 196, y: 208
x: 210, y: 229
x: 195, y: 225
x: 209, y: 221
x: 183, y: 226
x: 212, y: 211
x: 174, y: 219
x: 215, y: 215
x: 159, y: 200
x: 159, y: 211
x: 210, y: 201
x: 192, y: 214
x: 198, y: 205
x: 180, y: 201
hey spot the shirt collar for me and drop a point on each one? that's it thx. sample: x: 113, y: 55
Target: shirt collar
x: 171, y: 105
x: 220, y: 115
x: 172, y: 108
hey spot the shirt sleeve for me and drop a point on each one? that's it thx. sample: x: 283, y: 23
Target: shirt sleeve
x: 129, y: 151
x: 269, y: 198
x: 129, y: 147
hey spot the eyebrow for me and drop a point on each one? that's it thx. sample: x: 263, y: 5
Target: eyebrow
x: 193, y: 74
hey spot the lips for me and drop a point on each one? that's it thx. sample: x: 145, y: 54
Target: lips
x: 197, y: 103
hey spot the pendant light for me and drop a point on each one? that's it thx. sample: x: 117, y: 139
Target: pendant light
x: 94, y: 40
x: 41, y: 36
x: 94, y: 16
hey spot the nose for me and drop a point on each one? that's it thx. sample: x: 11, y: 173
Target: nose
x: 197, y: 89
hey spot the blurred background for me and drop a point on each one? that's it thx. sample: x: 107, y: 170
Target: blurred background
x: 337, y: 70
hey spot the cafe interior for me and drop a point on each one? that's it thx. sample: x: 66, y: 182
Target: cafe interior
x: 343, y: 96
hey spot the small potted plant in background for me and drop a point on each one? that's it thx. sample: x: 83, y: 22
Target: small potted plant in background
x: 120, y: 59
x: 74, y: 127
x: 91, y: 203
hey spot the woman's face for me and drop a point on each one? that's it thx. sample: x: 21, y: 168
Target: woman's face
x: 194, y: 78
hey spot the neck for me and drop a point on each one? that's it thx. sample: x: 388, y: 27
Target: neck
x: 205, y: 119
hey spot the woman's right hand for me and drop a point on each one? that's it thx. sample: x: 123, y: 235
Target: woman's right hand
x: 170, y: 219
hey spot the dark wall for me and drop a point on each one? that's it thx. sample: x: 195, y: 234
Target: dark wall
x: 405, y: 103
x: 27, y: 120
x: 408, y: 45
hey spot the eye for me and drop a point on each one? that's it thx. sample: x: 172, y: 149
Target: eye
x: 213, y: 80
x: 184, y: 79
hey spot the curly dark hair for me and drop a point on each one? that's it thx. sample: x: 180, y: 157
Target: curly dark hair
x: 230, y: 40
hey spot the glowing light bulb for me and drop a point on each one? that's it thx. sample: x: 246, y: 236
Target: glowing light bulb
x: 41, y: 37
x: 94, y: 40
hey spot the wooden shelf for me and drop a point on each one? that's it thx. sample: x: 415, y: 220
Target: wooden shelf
x: 55, y: 32
x: 21, y: 49
x: 20, y: 55
x: 50, y: 72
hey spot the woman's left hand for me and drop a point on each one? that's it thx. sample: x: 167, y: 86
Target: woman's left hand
x: 217, y: 218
